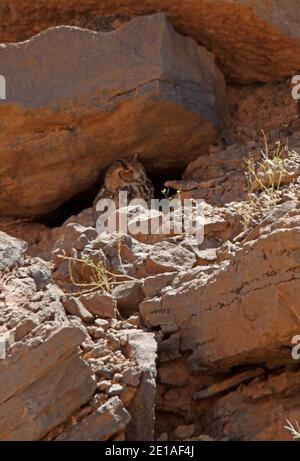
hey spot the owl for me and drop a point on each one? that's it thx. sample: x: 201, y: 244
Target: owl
x: 126, y: 175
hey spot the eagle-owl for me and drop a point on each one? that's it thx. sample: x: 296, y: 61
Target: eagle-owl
x: 126, y: 175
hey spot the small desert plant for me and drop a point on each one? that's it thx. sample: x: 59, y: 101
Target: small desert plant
x: 166, y: 192
x: 249, y: 210
x: 266, y: 173
x: 100, y: 278
x: 295, y: 431
x: 264, y: 178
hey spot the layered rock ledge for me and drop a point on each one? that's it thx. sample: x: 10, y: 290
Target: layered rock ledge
x: 253, y: 40
x: 140, y: 89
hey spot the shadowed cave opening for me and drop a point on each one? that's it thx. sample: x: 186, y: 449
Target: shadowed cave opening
x: 85, y: 200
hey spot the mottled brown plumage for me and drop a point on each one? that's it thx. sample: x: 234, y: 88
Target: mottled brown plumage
x: 125, y: 175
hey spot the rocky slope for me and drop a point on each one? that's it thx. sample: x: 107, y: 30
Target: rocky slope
x: 143, y: 337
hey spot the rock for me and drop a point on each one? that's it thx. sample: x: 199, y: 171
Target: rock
x: 131, y: 377
x: 103, y: 386
x: 47, y: 402
x: 97, y: 333
x: 206, y: 256
x: 115, y: 389
x: 228, y: 384
x: 28, y: 364
x: 258, y: 411
x: 153, y: 285
x: 75, y: 307
x: 118, y: 377
x: 128, y: 296
x: 247, y: 36
x: 185, y: 432
x: 166, y: 257
x: 169, y: 349
x: 217, y: 176
x: 218, y: 312
x: 142, y: 349
x: 174, y: 96
x: 127, y: 395
x: 153, y: 315
x: 143, y: 224
x: 25, y: 327
x: 41, y: 274
x: 100, y: 304
x: 113, y: 342
x: 102, y: 323
x: 110, y: 419
x: 173, y: 373
x: 11, y: 251
x: 97, y: 352
x: 103, y: 372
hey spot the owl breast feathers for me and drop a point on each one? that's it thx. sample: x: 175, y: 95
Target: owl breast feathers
x: 125, y: 176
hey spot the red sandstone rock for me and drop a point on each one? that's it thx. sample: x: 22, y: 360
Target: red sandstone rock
x: 254, y: 40
x: 143, y: 84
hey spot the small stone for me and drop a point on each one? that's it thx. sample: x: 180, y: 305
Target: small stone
x: 102, y: 323
x: 35, y: 298
x: 104, y: 386
x: 75, y: 307
x: 103, y: 372
x: 131, y: 377
x: 24, y: 328
x: 133, y: 321
x: 100, y: 304
x: 87, y: 345
x: 99, y: 333
x: 91, y: 233
x: 81, y: 242
x: 113, y: 343
x: 118, y: 377
x: 91, y: 330
x: 185, y: 432
x: 36, y: 342
x: 117, y: 368
x: 97, y: 352
x: 106, y: 358
x: 123, y: 340
x: 115, y: 389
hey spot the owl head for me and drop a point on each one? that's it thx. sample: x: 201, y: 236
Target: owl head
x: 124, y: 172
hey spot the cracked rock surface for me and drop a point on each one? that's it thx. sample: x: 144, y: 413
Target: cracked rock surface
x: 129, y: 83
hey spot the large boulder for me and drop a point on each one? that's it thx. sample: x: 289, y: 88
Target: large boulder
x: 258, y: 411
x: 244, y: 310
x: 140, y: 89
x: 43, y: 379
x: 254, y: 40
x: 11, y: 251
